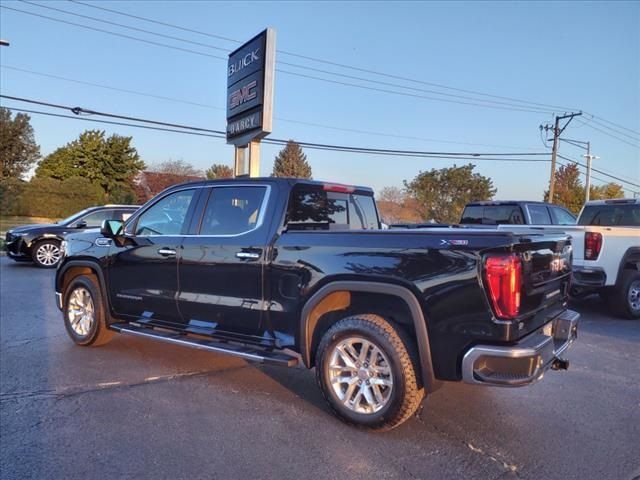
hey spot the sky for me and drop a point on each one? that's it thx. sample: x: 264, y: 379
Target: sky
x: 572, y: 55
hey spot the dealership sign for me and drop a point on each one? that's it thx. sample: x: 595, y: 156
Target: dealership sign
x: 250, y: 89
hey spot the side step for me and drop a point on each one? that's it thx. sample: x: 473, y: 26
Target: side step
x: 254, y: 354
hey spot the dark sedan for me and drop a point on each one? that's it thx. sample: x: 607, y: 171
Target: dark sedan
x: 41, y: 243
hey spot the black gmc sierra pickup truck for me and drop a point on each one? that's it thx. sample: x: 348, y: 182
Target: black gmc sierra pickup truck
x: 277, y: 270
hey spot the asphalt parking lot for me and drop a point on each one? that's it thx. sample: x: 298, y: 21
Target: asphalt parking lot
x: 141, y: 409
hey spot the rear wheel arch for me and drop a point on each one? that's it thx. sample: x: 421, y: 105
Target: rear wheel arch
x: 340, y: 299
x: 630, y: 261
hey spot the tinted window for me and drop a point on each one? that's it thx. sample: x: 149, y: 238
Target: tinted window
x: 95, y: 219
x: 493, y: 214
x: 320, y: 210
x: 311, y: 210
x: 611, y: 215
x: 539, y: 214
x: 561, y: 216
x: 232, y: 210
x: 362, y: 213
x: 501, y: 214
x: 167, y: 216
x: 472, y: 214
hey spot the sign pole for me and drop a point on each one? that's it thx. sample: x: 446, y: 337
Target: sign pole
x: 254, y: 158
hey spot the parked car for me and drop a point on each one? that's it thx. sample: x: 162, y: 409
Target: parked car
x: 40, y: 243
x: 606, y: 253
x: 516, y: 213
x: 277, y: 270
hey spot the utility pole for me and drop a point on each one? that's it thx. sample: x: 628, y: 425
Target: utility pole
x: 557, y: 131
x: 589, y: 157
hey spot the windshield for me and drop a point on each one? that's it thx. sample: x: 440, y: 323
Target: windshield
x: 74, y: 217
x: 611, y: 215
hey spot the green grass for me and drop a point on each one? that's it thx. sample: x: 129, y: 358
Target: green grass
x: 7, y: 223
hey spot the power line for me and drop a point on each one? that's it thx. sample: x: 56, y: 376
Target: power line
x: 122, y: 35
x: 273, y: 141
x: 349, y: 149
x: 300, y: 122
x: 599, y: 171
x: 351, y: 67
x: 318, y: 70
x: 319, y: 60
x: 617, y: 131
x: 610, y: 134
x: 603, y: 181
x: 491, y: 104
x: 614, y: 124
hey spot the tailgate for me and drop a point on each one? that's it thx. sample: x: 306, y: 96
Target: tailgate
x: 546, y: 261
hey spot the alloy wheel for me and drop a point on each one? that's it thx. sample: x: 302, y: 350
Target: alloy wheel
x: 80, y: 311
x: 360, y: 375
x: 48, y: 254
x: 633, y: 296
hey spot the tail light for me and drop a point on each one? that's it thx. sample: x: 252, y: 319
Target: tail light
x: 592, y: 245
x: 504, y: 279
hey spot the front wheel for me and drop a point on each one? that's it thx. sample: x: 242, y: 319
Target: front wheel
x: 46, y: 253
x: 368, y: 372
x: 85, y: 313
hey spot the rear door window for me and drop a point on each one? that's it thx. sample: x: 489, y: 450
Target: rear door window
x: 233, y: 210
x: 539, y: 214
x: 313, y: 209
x: 561, y: 217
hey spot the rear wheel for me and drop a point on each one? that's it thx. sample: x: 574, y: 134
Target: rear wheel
x: 368, y: 372
x: 85, y: 313
x: 46, y: 253
x: 625, y: 299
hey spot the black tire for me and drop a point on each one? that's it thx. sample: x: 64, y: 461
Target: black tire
x: 406, y: 394
x: 620, y: 299
x: 98, y: 333
x: 37, y: 253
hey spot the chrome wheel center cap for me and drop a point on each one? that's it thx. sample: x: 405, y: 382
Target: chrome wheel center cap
x: 363, y: 374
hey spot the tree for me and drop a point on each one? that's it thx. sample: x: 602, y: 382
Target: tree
x: 219, y: 170
x: 606, y: 191
x: 291, y: 162
x: 18, y: 148
x: 109, y: 162
x: 176, y: 167
x: 442, y: 194
x: 569, y: 191
x: 395, y: 206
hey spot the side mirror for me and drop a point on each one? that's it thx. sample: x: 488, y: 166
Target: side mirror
x: 112, y: 228
x: 81, y: 224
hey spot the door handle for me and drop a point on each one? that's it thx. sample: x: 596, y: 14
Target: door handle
x: 248, y: 255
x: 167, y: 252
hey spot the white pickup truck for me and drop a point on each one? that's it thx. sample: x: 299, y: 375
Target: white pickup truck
x: 606, y: 252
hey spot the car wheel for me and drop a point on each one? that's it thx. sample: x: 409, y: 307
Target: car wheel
x: 46, y: 253
x: 367, y: 370
x: 84, y: 312
x: 625, y: 299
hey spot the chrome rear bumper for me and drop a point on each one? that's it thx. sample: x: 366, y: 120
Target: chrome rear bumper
x: 525, y: 362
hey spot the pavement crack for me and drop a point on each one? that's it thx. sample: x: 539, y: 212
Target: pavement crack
x: 68, y: 392
x: 507, y: 467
